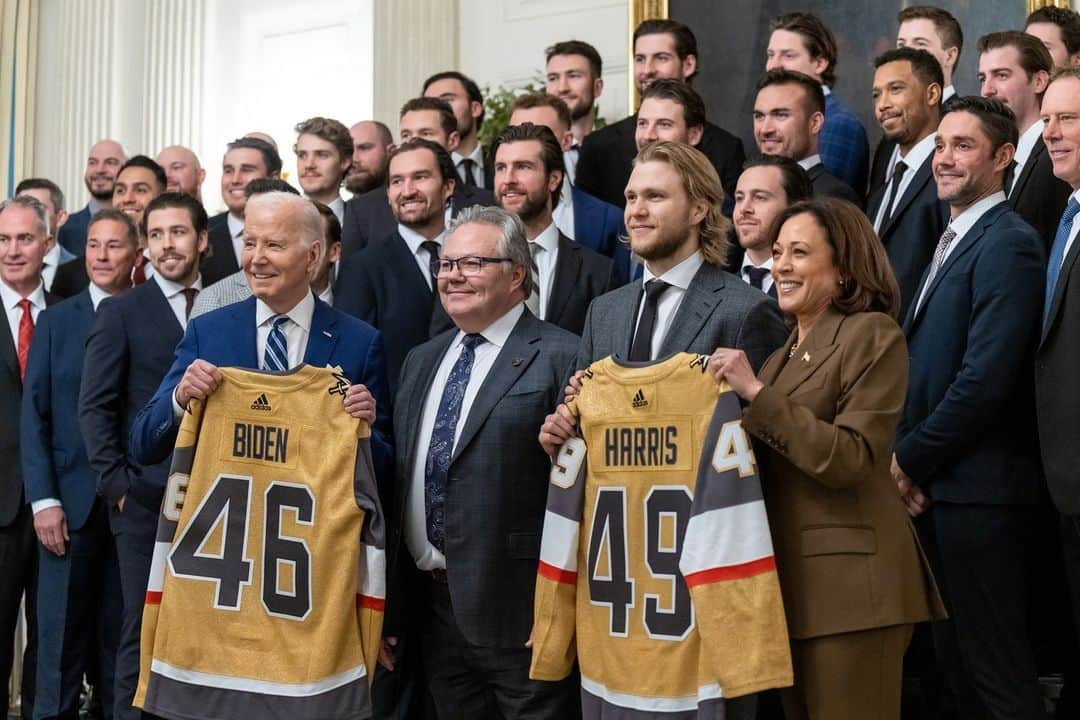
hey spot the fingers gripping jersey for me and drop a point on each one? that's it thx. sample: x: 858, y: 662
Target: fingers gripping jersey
x: 656, y: 565
x: 267, y: 587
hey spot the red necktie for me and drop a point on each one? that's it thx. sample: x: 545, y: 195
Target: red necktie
x: 26, y: 332
x: 138, y: 276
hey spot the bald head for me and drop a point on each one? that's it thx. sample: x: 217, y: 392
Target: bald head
x: 265, y: 137
x: 102, y: 165
x: 183, y: 170
x: 372, y: 144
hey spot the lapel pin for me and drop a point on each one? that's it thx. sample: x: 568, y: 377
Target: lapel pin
x: 327, y: 333
x: 515, y: 362
x: 806, y: 357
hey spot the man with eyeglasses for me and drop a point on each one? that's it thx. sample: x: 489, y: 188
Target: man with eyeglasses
x: 464, y: 537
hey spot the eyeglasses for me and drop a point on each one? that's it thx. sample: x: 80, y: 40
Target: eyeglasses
x: 469, y: 265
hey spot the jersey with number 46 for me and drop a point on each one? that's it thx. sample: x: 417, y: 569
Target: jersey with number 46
x: 656, y: 565
x: 267, y: 587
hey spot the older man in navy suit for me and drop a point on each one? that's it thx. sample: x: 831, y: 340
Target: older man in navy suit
x: 78, y: 576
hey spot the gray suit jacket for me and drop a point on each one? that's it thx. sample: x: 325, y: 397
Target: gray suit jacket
x: 718, y: 310
x: 496, y: 487
x: 226, y: 291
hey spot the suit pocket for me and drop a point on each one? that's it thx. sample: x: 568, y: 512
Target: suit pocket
x: 838, y: 540
x: 523, y: 546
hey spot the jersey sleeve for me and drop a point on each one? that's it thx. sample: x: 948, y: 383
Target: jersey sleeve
x: 728, y: 563
x: 183, y: 460
x: 371, y: 578
x: 554, y: 619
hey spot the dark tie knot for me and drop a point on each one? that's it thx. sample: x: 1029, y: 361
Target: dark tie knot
x: 756, y: 275
x: 471, y: 340
x: 433, y: 248
x: 899, y: 169
x: 655, y: 288
x: 279, y: 320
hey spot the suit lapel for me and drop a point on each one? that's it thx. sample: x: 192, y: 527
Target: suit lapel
x: 9, y: 352
x: 513, y: 360
x: 922, y: 177
x: 818, y: 346
x: 243, y: 318
x: 156, y: 296
x: 323, y: 336
x: 1038, y: 149
x: 701, y: 299
x: 403, y: 265
x: 567, y: 270
x: 1059, y: 288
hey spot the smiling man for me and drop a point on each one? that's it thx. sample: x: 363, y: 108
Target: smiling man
x: 102, y: 164
x: 573, y: 74
x: 183, y: 170
x: 929, y: 28
x: 324, y: 151
x: 463, y: 96
x: 139, y: 181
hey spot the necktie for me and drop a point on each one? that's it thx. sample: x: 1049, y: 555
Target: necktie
x: 467, y: 166
x: 138, y: 275
x: 1057, y: 254
x: 434, y: 253
x: 897, y: 177
x: 1010, y: 177
x: 939, y: 257
x: 442, y: 440
x: 533, y: 301
x: 641, y: 350
x: 26, y: 333
x: 276, y: 355
x: 757, y: 276
x: 189, y: 300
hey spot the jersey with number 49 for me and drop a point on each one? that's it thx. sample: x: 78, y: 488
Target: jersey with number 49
x: 267, y: 587
x: 656, y: 565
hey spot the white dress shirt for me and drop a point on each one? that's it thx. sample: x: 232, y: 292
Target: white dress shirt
x: 327, y: 295
x: 947, y: 93
x: 545, y: 251
x: 174, y: 293
x: 563, y: 213
x: 426, y: 555
x: 679, y: 278
x: 50, y: 263
x: 1023, y: 150
x: 97, y: 295
x: 960, y: 225
x: 477, y: 156
x: 337, y: 206
x: 236, y: 233
x: 810, y: 162
x: 1072, y: 234
x: 422, y: 256
x: 914, y: 160
x: 570, y: 158
x: 766, y: 282
x: 14, y: 312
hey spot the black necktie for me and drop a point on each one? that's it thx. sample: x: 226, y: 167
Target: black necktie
x: 433, y: 249
x: 641, y: 350
x: 467, y: 166
x: 1010, y: 176
x: 897, y: 176
x: 757, y: 276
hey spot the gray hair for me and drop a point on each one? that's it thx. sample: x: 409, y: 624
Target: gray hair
x: 31, y: 202
x: 513, y: 242
x: 308, y: 220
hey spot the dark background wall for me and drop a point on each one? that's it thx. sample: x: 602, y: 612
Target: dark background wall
x: 733, y: 35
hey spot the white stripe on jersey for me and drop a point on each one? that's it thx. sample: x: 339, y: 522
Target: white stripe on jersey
x: 559, y: 543
x: 652, y: 704
x: 262, y: 687
x: 728, y: 536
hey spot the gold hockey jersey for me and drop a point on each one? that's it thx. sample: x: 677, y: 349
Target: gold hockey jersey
x: 656, y: 564
x: 267, y: 587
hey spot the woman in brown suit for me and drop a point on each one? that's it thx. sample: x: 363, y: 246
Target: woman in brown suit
x: 825, y: 408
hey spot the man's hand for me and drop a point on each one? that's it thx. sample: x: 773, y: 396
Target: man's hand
x: 386, y: 653
x: 733, y: 366
x: 200, y: 379
x: 914, y: 498
x: 529, y: 642
x: 52, y: 531
x: 558, y: 427
x: 575, y: 385
x: 360, y: 403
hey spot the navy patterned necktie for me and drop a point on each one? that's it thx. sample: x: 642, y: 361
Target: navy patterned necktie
x: 276, y: 355
x: 442, y: 440
x: 1057, y: 254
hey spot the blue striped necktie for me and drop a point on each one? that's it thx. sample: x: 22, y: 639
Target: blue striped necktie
x: 276, y: 356
x: 1057, y: 254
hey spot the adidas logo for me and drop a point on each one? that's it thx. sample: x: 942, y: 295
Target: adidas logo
x: 261, y: 403
x: 639, y: 399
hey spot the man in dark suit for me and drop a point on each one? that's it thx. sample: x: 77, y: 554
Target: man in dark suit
x: 789, y: 112
x: 368, y: 217
x: 463, y: 95
x: 1059, y: 30
x: 767, y: 186
x: 49, y: 194
x: 573, y: 74
x: 1015, y: 67
x: 471, y: 480
x: 389, y: 284
x: 966, y: 456
x: 79, y: 594
x: 102, y: 165
x: 246, y: 159
x: 528, y: 177
x: 372, y: 145
x: 128, y: 351
x: 23, y: 241
x: 905, y: 210
x: 937, y: 31
x: 1055, y: 360
x: 662, y: 49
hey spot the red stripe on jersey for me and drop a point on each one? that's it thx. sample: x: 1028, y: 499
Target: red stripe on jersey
x: 732, y: 572
x: 371, y: 603
x: 557, y: 574
x: 153, y: 597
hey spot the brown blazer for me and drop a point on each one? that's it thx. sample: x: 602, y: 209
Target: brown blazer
x: 846, y: 551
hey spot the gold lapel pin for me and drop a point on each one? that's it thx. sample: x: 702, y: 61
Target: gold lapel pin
x: 806, y: 357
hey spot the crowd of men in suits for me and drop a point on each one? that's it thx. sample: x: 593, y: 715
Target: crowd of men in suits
x: 93, y: 384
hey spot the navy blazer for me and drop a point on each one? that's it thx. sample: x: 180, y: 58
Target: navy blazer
x: 226, y: 338
x: 597, y: 224
x: 967, y: 434
x: 54, y: 460
x: 73, y: 232
x: 220, y: 260
x: 825, y: 184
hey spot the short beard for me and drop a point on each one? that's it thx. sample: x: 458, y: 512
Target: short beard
x: 584, y: 110
x: 360, y: 183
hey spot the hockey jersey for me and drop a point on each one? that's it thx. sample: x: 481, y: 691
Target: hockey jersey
x: 267, y: 587
x: 656, y: 564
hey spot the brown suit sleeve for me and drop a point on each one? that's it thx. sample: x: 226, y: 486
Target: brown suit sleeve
x: 839, y: 441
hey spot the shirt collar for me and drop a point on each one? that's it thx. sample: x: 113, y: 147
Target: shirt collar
x: 97, y: 295
x: 171, y: 289
x: 680, y: 275
x: 809, y: 162
x: 1027, y: 142
x: 236, y: 225
x: 747, y: 262
x: 947, y: 93
x: 52, y: 258
x: 477, y: 156
x: 300, y: 314
x: 337, y: 206
x: 498, y: 332
x: 11, y: 298
x: 413, y: 238
x: 327, y: 295
x: 917, y: 155
x: 965, y: 220
x: 566, y: 195
x: 827, y: 90
x: 548, y: 238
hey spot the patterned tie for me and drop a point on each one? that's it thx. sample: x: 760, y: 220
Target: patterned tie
x: 276, y: 355
x: 757, y: 276
x: 442, y: 440
x: 1057, y: 254
x: 26, y: 333
x: 467, y: 166
x: 939, y: 257
x: 189, y: 300
x: 533, y: 301
x: 641, y: 349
